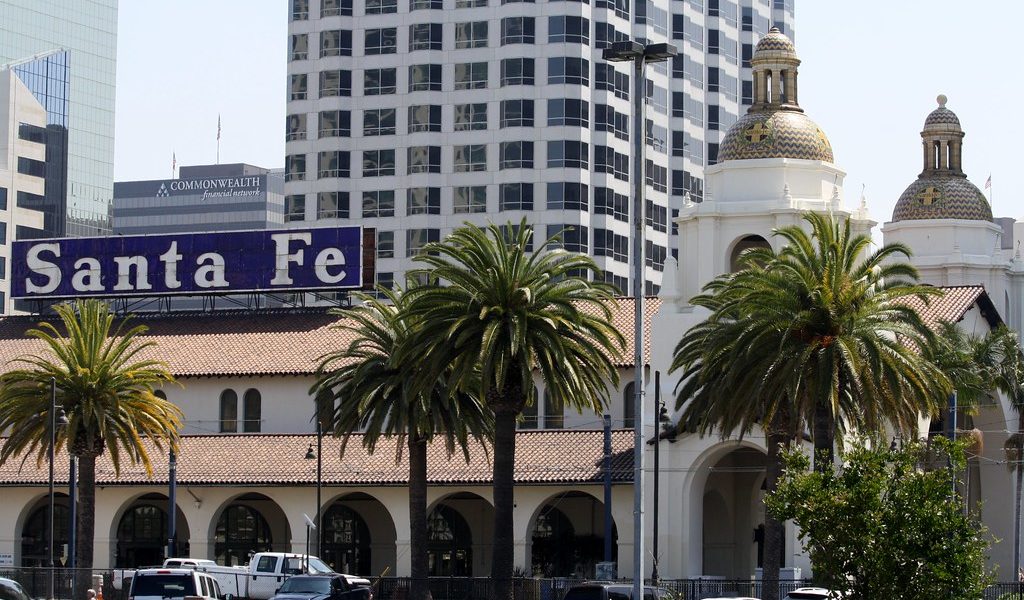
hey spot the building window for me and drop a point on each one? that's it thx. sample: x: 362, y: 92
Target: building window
x: 568, y: 30
x: 657, y: 216
x: 655, y: 256
x: 607, y: 202
x: 568, y: 111
x: 300, y: 10
x: 377, y: 82
x: 517, y: 71
x: 335, y: 8
x: 528, y: 417
x: 426, y: 5
x: 379, y: 121
x: 606, y: 35
x: 568, y: 70
x: 471, y: 76
x: 332, y: 205
x: 335, y: 123
x: 517, y: 30
x: 423, y: 201
x: 378, y: 163
x: 334, y: 163
x: 426, y: 36
x: 252, y: 411
x: 295, y: 167
x: 228, y: 411
x: 516, y: 155
x: 470, y: 157
x: 294, y: 208
x: 609, y: 243
x: 424, y: 159
x: 380, y: 41
x: 295, y: 127
x: 471, y: 35
x: 3, y: 198
x: 568, y: 154
x: 381, y: 7
x: 607, y: 78
x: 571, y: 237
x: 469, y: 199
x: 416, y: 239
x: 516, y: 113
x: 554, y: 413
x: 470, y: 117
x: 628, y: 404
x: 568, y: 196
x: 379, y: 204
x: 515, y: 196
x: 335, y: 83
x: 337, y: 42
x: 300, y: 47
x: 424, y: 78
x: 470, y: 3
x: 424, y: 117
x: 656, y: 176
x: 606, y: 118
x: 385, y: 244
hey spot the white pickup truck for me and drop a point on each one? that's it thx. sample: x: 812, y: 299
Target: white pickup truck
x: 258, y: 580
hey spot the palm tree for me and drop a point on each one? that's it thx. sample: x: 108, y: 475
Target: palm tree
x: 1010, y: 380
x: 376, y: 395
x: 495, y: 313
x: 818, y: 332
x: 106, y: 391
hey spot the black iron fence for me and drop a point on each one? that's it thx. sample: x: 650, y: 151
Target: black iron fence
x: 36, y: 581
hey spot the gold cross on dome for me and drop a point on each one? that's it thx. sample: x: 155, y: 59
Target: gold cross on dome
x: 757, y: 132
x: 929, y: 196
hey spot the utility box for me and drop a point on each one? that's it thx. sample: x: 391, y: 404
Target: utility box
x: 605, y: 571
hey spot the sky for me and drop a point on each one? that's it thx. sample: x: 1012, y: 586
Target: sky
x: 870, y: 74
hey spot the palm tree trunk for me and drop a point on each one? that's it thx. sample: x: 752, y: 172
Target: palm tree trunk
x: 85, y: 522
x: 420, y: 588
x: 503, y: 559
x: 774, y: 531
x: 824, y: 436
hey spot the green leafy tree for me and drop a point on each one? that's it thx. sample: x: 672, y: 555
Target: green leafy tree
x: 106, y: 391
x: 819, y: 332
x: 374, y: 392
x: 495, y: 314
x: 883, y: 527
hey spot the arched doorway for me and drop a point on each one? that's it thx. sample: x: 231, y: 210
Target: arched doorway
x: 732, y: 512
x: 142, y: 533
x: 449, y: 543
x: 241, y: 531
x: 345, y: 545
x: 36, y: 531
x: 567, y: 538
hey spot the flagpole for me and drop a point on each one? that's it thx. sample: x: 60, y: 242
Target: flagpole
x: 218, y: 139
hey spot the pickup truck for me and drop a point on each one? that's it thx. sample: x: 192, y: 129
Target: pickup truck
x: 256, y: 581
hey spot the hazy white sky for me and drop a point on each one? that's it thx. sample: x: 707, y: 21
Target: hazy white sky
x: 870, y: 74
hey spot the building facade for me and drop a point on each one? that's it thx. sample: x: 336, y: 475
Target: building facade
x: 75, y: 83
x: 414, y: 116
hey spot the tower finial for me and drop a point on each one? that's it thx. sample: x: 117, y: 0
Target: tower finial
x: 942, y: 99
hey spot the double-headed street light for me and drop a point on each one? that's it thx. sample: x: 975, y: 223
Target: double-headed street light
x: 640, y: 55
x: 55, y: 420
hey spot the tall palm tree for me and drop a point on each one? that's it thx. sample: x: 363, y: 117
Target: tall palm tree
x: 819, y: 332
x: 106, y: 391
x: 378, y: 394
x: 495, y: 314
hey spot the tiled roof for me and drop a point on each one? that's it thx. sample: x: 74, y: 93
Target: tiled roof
x: 951, y: 306
x: 542, y: 457
x: 237, y: 343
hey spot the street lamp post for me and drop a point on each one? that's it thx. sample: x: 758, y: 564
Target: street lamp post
x: 54, y: 421
x: 639, y: 54
x: 318, y: 455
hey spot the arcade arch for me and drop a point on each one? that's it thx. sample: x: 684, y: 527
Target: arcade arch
x: 140, y: 532
x: 249, y: 523
x: 567, y: 536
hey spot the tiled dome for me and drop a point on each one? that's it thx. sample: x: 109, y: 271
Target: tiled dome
x: 775, y: 42
x: 942, y: 120
x: 942, y: 197
x: 776, y: 134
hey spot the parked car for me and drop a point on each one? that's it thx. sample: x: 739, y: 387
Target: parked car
x: 335, y: 586
x: 606, y: 590
x: 812, y: 593
x: 173, y: 584
x: 11, y: 590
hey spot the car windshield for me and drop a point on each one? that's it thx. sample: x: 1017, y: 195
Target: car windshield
x: 11, y: 590
x: 164, y: 586
x: 293, y: 565
x: 306, y: 585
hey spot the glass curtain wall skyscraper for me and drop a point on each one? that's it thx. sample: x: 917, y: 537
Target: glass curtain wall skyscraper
x: 65, y: 52
x: 413, y: 116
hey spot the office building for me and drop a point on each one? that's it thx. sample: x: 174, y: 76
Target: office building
x: 65, y: 53
x: 413, y: 116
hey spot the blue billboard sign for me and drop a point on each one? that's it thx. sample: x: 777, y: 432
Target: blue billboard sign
x: 329, y: 258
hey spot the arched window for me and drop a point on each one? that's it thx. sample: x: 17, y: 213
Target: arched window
x: 346, y: 540
x: 160, y: 394
x: 141, y: 536
x: 553, y: 535
x: 748, y: 242
x: 449, y: 543
x: 628, y: 405
x: 228, y: 411
x: 554, y: 415
x: 36, y: 532
x: 323, y: 408
x: 252, y: 410
x: 528, y: 418
x: 240, y: 530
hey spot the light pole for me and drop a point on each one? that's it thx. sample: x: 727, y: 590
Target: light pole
x: 318, y: 455
x: 640, y: 55
x: 54, y: 421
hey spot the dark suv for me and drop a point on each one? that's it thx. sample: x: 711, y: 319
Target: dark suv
x: 606, y: 590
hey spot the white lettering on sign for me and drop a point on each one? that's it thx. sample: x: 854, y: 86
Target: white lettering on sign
x: 219, y: 183
x: 87, y: 275
x: 170, y: 260
x: 283, y: 256
x: 124, y: 273
x: 329, y: 257
x: 45, y: 268
x: 210, y: 275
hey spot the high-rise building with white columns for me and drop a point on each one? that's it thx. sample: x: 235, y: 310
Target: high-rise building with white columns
x: 413, y: 116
